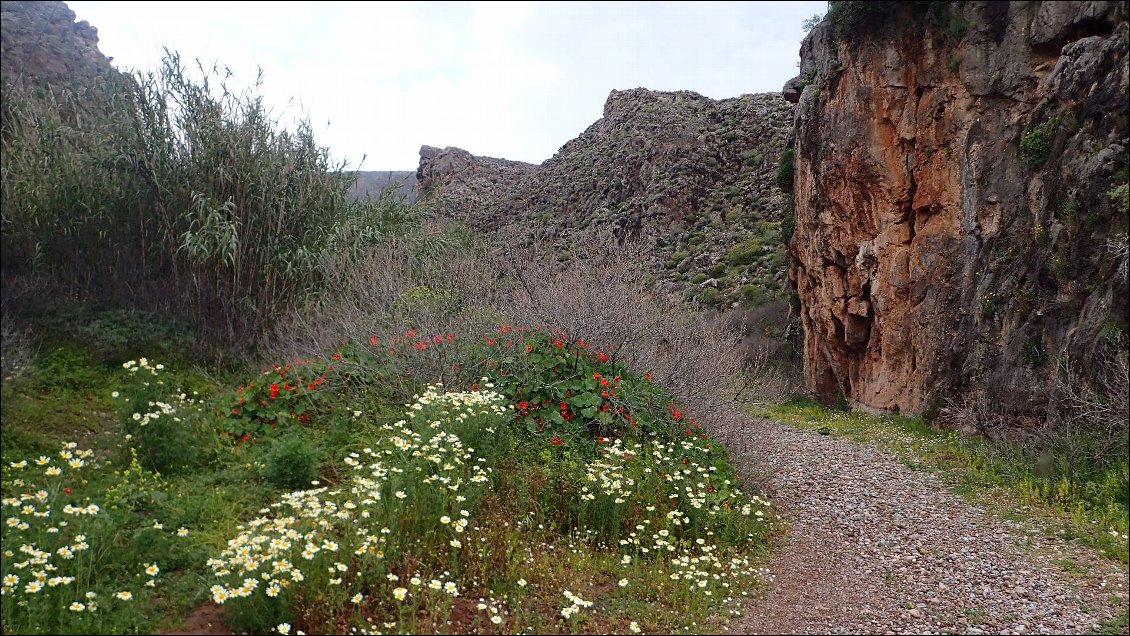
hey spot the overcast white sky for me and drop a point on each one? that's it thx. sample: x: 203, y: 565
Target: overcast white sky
x: 514, y: 80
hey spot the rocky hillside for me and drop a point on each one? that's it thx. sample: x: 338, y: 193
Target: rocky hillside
x: 371, y: 183
x: 690, y: 175
x: 961, y: 197
x: 41, y: 41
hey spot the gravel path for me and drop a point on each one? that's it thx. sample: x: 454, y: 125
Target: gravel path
x: 876, y: 547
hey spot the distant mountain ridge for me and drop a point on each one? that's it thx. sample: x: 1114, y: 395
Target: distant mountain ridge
x: 690, y: 175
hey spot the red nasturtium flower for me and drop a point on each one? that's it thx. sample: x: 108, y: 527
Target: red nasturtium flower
x: 556, y: 440
x: 274, y: 391
x: 601, y: 356
x: 336, y: 356
x: 437, y: 338
x: 490, y: 341
x: 411, y: 333
x: 373, y: 341
x: 67, y: 490
x: 529, y: 348
x: 419, y: 345
x: 523, y: 405
x: 559, y: 344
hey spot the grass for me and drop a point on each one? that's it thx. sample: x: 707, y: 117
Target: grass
x: 447, y: 511
x: 1087, y: 508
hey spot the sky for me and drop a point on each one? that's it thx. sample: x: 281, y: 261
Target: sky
x: 514, y: 80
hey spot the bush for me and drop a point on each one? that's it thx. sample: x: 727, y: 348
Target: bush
x: 786, y: 167
x: 1036, y: 145
x: 181, y: 194
x: 170, y: 430
x: 292, y: 462
x: 744, y: 253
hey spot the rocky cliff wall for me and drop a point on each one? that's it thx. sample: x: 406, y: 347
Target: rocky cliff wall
x: 960, y: 198
x: 41, y: 42
x: 689, y: 175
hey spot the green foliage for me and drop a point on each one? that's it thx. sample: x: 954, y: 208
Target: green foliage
x: 708, y: 297
x: 785, y: 170
x: 854, y: 16
x: 276, y: 400
x: 292, y: 462
x: 122, y: 334
x: 67, y: 368
x: 755, y: 295
x: 744, y: 253
x: 170, y: 430
x: 752, y: 157
x: 179, y: 193
x: 810, y: 23
x: 1036, y: 144
x: 1120, y: 197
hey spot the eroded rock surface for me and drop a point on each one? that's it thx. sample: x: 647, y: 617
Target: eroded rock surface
x: 956, y: 196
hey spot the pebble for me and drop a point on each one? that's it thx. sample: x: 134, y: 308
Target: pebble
x: 871, y: 539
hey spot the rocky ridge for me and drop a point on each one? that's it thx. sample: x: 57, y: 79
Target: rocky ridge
x: 961, y: 195
x: 689, y: 175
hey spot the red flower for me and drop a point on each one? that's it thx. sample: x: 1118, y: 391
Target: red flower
x: 274, y: 391
x: 604, y: 382
x: 450, y: 337
x: 647, y: 375
x: 373, y: 341
x: 688, y: 432
x: 596, y: 375
x: 336, y: 356
x: 419, y: 345
x: 529, y: 348
x: 411, y: 333
x: 564, y: 406
x: 559, y: 344
x: 67, y: 490
x: 523, y: 405
x: 490, y: 341
x: 556, y: 440
x: 505, y: 329
x: 601, y: 356
x: 235, y: 411
x: 437, y: 339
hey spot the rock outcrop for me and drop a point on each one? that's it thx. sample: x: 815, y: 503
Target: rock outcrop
x: 960, y: 182
x: 41, y: 42
x: 690, y: 175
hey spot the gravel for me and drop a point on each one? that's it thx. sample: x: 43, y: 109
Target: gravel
x: 875, y: 547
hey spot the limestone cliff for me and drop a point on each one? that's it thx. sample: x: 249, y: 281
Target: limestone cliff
x: 690, y: 175
x: 960, y: 192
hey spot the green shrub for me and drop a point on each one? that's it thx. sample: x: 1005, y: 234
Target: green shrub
x: 744, y: 253
x: 708, y: 297
x: 785, y: 170
x: 699, y: 278
x: 755, y: 295
x: 170, y: 430
x: 1036, y: 145
x: 292, y: 462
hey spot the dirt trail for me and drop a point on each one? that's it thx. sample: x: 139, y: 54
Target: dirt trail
x: 877, y: 547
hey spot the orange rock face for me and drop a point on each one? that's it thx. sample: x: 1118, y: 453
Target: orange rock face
x: 927, y: 238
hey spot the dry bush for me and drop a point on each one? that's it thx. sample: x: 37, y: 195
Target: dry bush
x: 1090, y: 419
x: 1085, y: 423
x: 600, y: 296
